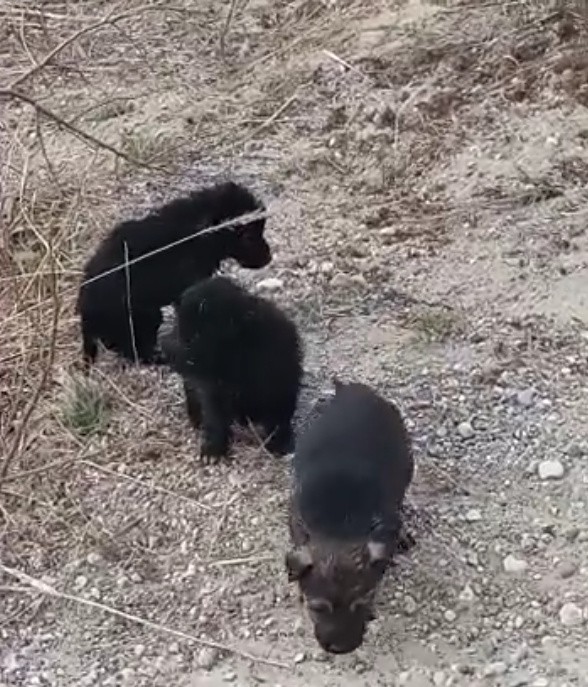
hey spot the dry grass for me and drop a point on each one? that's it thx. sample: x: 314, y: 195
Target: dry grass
x: 105, y: 111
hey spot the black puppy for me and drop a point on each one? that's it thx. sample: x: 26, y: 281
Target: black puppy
x: 352, y: 468
x: 161, y: 278
x: 241, y: 360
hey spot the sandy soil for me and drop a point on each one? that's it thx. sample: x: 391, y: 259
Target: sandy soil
x: 425, y: 167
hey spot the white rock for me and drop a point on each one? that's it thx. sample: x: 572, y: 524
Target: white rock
x: 473, y: 515
x: 512, y: 564
x: 299, y: 658
x: 326, y: 267
x: 467, y: 594
x: 465, y: 430
x: 571, y: 615
x: 410, y: 605
x: 525, y: 397
x: 81, y: 581
x: 550, y: 469
x: 231, y: 676
x: 206, y: 658
x: 270, y: 284
x: 139, y: 650
x: 450, y: 615
x: 494, y: 669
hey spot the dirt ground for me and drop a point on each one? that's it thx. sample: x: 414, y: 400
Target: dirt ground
x: 425, y: 167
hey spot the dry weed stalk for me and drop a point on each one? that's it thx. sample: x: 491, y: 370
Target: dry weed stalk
x: 39, y: 586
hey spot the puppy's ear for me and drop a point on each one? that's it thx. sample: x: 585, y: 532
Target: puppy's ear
x: 298, y: 563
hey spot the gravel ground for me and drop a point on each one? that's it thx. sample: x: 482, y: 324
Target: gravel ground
x: 425, y: 168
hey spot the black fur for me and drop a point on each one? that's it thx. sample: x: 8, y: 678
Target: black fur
x: 160, y: 279
x: 241, y: 360
x: 352, y: 468
x: 353, y: 465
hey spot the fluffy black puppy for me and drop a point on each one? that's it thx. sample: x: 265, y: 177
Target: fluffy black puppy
x: 352, y: 468
x: 160, y: 279
x: 241, y: 360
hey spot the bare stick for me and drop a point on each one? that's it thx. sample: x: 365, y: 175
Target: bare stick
x: 97, y: 143
x: 226, y: 27
x: 134, y: 480
x: 51, y: 591
x: 242, y: 219
x: 129, y: 304
x: 12, y: 452
x: 108, y: 19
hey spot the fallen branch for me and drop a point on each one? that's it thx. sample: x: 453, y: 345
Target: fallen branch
x: 97, y: 143
x: 51, y: 591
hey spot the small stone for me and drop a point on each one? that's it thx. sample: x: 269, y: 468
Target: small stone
x: 465, y: 430
x: 340, y: 280
x: 495, y: 669
x: 410, y: 606
x: 512, y: 564
x: 139, y: 650
x: 467, y: 594
x: 80, y: 582
x: 439, y: 678
x: 571, y: 615
x: 550, y: 469
x: 567, y: 569
x: 230, y: 676
x: 525, y: 397
x: 520, y: 678
x: 326, y: 267
x: 575, y: 450
x: 271, y: 284
x: 94, y: 558
x: 207, y: 657
x: 473, y: 515
x: 541, y: 682
x: 299, y: 658
x: 450, y: 615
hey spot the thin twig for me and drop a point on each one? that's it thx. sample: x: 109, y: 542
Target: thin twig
x: 242, y: 219
x: 51, y: 591
x: 226, y: 28
x: 152, y: 487
x: 42, y: 382
x: 108, y: 19
x: 129, y: 303
x: 17, y: 95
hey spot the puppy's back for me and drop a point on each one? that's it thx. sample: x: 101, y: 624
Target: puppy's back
x: 353, y: 463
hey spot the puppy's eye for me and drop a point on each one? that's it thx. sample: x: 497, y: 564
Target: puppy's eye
x: 320, y: 606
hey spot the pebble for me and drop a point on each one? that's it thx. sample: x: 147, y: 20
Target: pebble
x: 467, y: 594
x: 270, y: 284
x: 299, y: 658
x: 575, y: 451
x: 207, y: 657
x: 541, y: 682
x: 93, y: 558
x: 81, y: 581
x: 231, y: 676
x: 550, y: 469
x: 519, y: 679
x: 567, y: 569
x: 473, y: 515
x: 465, y: 430
x: 570, y: 615
x: 410, y: 605
x: 495, y: 669
x: 512, y: 564
x: 525, y: 397
x: 439, y: 678
x: 139, y: 650
x: 450, y: 615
